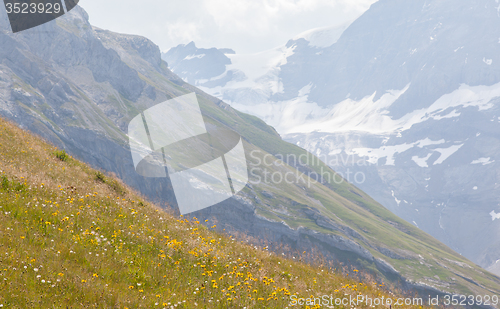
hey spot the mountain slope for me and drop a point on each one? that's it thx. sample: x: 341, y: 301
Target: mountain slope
x: 75, y: 237
x: 79, y: 87
x: 407, y: 100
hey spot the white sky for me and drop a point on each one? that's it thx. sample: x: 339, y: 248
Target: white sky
x: 246, y: 26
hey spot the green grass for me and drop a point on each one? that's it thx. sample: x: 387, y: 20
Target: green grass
x: 71, y: 236
x: 61, y: 155
x: 112, y: 182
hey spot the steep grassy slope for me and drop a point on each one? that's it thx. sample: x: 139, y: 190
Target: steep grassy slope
x: 73, y: 237
x: 316, y: 199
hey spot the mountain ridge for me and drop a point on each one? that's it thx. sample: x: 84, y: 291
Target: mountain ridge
x: 409, y: 90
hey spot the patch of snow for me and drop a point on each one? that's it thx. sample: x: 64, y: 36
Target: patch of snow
x: 397, y: 201
x: 428, y: 142
x: 451, y: 114
x: 348, y: 115
x: 387, y: 152
x: 305, y: 90
x: 475, y: 188
x: 369, y: 115
x: 202, y: 81
x: 494, y: 216
x: 323, y: 37
x: 194, y: 56
x: 440, y: 223
x: 488, y: 61
x: 335, y: 152
x: 446, y: 153
x: 483, y: 161
x: 422, y: 162
x: 415, y: 223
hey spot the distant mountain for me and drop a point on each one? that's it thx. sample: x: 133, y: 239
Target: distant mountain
x: 200, y: 64
x: 405, y: 105
x: 79, y: 87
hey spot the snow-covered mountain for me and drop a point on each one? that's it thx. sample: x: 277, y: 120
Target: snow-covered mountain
x: 245, y: 80
x: 404, y: 103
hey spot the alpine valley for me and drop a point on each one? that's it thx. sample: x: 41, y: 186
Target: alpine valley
x: 404, y: 103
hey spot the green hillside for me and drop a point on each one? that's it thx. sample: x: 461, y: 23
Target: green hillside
x: 72, y: 237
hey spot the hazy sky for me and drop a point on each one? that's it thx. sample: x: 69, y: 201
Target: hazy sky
x: 244, y: 25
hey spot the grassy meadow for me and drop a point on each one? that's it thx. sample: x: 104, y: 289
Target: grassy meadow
x: 74, y: 237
